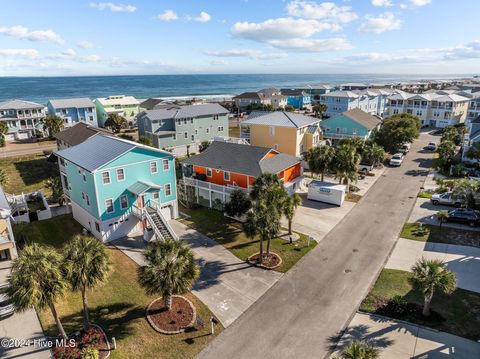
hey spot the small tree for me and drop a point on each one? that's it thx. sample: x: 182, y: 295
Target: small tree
x: 86, y: 265
x: 3, y: 132
x: 36, y: 281
x: 145, y: 141
x: 239, y: 204
x: 3, y: 177
x: 170, y: 269
x: 53, y: 124
x: 319, y: 110
x: 474, y: 152
x: 55, y: 185
x: 442, y: 217
x: 446, y: 149
x: 358, y: 349
x: 430, y: 276
x: 115, y: 122
x: 397, y: 130
x: 320, y: 159
x: 373, y: 154
x: 289, y: 207
x: 203, y: 146
x: 466, y: 190
x: 345, y: 163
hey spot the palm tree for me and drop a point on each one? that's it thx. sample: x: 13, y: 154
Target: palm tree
x: 289, y: 206
x: 442, y: 217
x: 170, y: 269
x: 319, y: 110
x: 320, y: 159
x: 374, y: 154
x: 115, y: 122
x: 3, y: 132
x: 473, y: 152
x: 358, y: 349
x: 345, y: 163
x: 431, y: 275
x: 36, y: 280
x: 55, y: 185
x: 53, y: 124
x: 262, y: 183
x: 3, y: 177
x: 86, y: 265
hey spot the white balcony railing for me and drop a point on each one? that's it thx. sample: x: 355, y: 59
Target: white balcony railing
x: 211, y: 186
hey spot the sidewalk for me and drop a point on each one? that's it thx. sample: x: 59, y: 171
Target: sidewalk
x: 401, y: 340
x: 463, y: 260
x: 227, y: 285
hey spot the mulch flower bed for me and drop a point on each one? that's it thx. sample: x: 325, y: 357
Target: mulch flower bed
x: 181, y: 316
x: 408, y: 310
x: 272, y: 261
x: 94, y: 337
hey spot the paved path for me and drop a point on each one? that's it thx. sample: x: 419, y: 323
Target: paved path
x: 402, y: 340
x: 315, y: 300
x: 463, y: 260
x: 227, y: 285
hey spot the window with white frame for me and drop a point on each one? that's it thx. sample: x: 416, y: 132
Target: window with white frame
x: 207, y: 130
x: 120, y: 174
x: 109, y: 205
x: 209, y: 172
x: 168, y: 189
x: 185, y: 135
x: 156, y: 195
x: 165, y: 164
x: 106, y: 177
x: 191, y: 121
x: 275, y: 146
x: 226, y: 176
x: 153, y: 167
x: 193, y: 137
x: 124, y: 201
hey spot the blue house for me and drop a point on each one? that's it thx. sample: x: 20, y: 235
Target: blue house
x: 74, y: 110
x: 119, y: 188
x: 354, y: 123
x: 297, y: 98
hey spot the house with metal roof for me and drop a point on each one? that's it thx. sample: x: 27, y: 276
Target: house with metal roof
x: 8, y: 248
x: 118, y: 188
x: 24, y: 119
x: 178, y: 128
x: 125, y: 106
x: 354, y: 123
x: 287, y: 132
x: 74, y: 110
x: 297, y: 98
x: 78, y: 133
x: 223, y: 167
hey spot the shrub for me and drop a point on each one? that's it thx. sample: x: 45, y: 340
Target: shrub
x: 126, y: 137
x: 66, y: 353
x: 398, y: 305
x: 89, y: 352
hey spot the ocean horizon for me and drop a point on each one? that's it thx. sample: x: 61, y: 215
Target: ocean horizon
x: 41, y: 89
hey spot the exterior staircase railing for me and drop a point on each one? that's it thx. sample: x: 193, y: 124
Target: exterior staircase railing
x: 142, y: 213
x: 155, y: 205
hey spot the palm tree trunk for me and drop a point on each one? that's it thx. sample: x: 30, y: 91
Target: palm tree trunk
x: 289, y: 227
x: 261, y: 250
x: 426, y: 304
x: 268, y: 247
x: 57, y: 321
x: 168, y: 300
x: 323, y: 176
x: 86, y: 317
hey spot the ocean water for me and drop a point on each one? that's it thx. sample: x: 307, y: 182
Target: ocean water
x: 41, y: 89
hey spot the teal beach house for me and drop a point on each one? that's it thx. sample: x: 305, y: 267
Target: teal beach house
x: 354, y: 123
x: 120, y: 188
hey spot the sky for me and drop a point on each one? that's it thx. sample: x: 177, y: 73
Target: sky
x: 131, y: 37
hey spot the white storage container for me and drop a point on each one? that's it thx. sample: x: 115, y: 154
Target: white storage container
x: 327, y: 192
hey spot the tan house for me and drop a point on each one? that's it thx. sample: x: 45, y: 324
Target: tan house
x: 286, y: 132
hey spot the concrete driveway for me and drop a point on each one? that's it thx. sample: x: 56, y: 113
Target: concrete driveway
x: 425, y: 212
x: 463, y: 260
x: 402, y: 340
x: 316, y: 219
x: 227, y: 285
x: 21, y: 326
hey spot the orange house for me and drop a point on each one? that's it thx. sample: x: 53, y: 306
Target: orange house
x: 237, y: 165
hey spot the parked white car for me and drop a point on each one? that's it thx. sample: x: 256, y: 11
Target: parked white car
x: 405, y: 148
x: 396, y: 160
x: 446, y: 199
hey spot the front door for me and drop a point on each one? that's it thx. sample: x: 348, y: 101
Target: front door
x: 141, y: 204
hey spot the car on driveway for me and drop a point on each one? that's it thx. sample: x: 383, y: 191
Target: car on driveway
x: 431, y: 146
x: 464, y: 215
x: 6, y: 307
x: 405, y: 148
x: 446, y: 199
x: 396, y: 160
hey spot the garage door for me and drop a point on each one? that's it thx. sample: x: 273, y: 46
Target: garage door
x: 166, y: 212
x: 10, y: 137
x: 22, y: 135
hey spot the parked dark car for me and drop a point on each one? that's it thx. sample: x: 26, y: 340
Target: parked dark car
x: 464, y: 215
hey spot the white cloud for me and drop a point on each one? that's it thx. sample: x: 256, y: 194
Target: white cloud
x: 203, y: 17
x: 69, y: 52
x: 168, y: 15
x: 22, y: 53
x: 113, y: 7
x: 328, y: 11
x: 420, y: 2
x: 218, y: 62
x: 380, y: 3
x: 252, y: 54
x: 21, y: 32
x: 312, y: 45
x: 86, y: 45
x: 381, y: 23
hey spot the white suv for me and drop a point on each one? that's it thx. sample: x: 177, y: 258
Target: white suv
x: 396, y: 160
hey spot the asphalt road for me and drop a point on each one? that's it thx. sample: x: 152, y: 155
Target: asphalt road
x: 302, y: 315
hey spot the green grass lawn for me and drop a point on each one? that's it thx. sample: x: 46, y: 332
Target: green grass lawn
x: 119, y: 304
x: 28, y: 173
x: 229, y: 233
x: 461, y: 309
x: 432, y: 233
x: 423, y: 194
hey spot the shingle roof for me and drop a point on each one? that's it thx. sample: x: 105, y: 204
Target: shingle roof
x: 185, y: 111
x: 244, y: 159
x: 150, y: 103
x: 81, y: 102
x: 363, y: 118
x: 282, y: 119
x: 78, y: 133
x: 249, y: 95
x: 293, y: 92
x: 348, y: 94
x: 18, y: 105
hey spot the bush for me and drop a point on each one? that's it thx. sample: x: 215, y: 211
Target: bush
x: 89, y: 352
x: 239, y: 204
x: 353, y: 188
x: 424, y: 194
x: 66, y: 353
x: 398, y: 305
x: 126, y: 137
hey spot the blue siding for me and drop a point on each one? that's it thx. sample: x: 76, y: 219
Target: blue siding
x: 75, y: 114
x: 346, y: 127
x: 78, y: 185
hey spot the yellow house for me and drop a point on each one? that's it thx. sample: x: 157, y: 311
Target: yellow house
x: 286, y: 132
